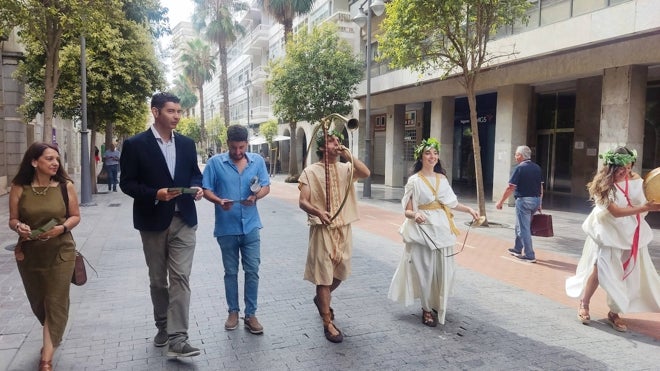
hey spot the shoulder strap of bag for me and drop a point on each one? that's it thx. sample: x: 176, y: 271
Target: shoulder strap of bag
x: 65, y: 196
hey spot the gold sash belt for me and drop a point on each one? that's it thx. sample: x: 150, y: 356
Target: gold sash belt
x: 434, y: 205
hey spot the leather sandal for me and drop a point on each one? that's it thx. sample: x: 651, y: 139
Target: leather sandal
x: 617, y: 322
x: 339, y: 337
x: 429, y: 319
x: 332, y: 312
x: 583, y: 313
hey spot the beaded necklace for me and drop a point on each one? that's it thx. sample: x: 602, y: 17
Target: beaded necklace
x: 40, y: 193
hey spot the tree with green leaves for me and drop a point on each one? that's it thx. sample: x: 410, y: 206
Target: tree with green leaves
x: 188, y: 126
x: 215, y: 19
x: 269, y: 130
x: 198, y: 67
x: 285, y: 11
x: 122, y: 73
x: 184, y: 90
x: 217, y: 133
x: 44, y: 28
x: 450, y: 36
x: 317, y: 77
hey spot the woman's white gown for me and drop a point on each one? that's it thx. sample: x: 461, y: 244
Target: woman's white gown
x: 608, y: 245
x: 425, y: 271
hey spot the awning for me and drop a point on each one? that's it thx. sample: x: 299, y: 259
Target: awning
x: 254, y: 141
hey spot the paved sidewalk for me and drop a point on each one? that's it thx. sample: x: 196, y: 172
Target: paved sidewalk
x: 503, y: 315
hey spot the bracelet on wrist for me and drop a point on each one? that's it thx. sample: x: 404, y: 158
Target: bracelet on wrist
x: 65, y: 228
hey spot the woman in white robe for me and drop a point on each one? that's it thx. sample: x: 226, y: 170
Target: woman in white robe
x: 426, y: 269
x: 615, y: 254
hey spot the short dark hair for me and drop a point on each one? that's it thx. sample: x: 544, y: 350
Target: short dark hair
x: 237, y: 133
x: 158, y: 100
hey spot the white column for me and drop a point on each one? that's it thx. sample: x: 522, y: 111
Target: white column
x: 394, y: 164
x: 622, y: 110
x: 513, y: 112
x: 442, y: 128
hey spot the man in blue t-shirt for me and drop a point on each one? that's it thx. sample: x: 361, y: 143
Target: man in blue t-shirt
x: 526, y: 185
x: 234, y: 181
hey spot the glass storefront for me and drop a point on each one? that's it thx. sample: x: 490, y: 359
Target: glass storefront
x: 555, y: 122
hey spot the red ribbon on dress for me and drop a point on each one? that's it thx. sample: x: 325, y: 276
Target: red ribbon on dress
x: 635, y: 243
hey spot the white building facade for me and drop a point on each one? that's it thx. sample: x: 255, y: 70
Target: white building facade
x: 585, y: 77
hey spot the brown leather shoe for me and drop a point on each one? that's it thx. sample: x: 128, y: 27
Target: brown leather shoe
x: 232, y: 321
x: 253, y: 325
x: 327, y: 322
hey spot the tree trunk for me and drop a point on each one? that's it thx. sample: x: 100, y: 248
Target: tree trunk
x: 202, y: 128
x: 92, y: 163
x: 476, y: 147
x: 293, y: 157
x: 224, y: 83
x: 52, y: 75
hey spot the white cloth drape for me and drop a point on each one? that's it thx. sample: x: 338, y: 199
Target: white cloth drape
x: 425, y: 271
x: 607, y: 246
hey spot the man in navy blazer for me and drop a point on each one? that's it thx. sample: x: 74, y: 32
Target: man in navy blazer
x: 159, y: 171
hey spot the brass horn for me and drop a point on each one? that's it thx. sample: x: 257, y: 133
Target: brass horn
x: 350, y: 124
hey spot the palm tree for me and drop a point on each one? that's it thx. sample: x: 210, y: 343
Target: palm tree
x: 184, y: 90
x: 198, y: 67
x: 285, y: 11
x: 216, y: 21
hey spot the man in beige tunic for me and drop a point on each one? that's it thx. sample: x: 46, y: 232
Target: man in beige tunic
x: 330, y: 237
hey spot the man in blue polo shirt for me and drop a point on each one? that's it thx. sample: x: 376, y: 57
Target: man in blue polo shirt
x: 234, y: 181
x: 526, y: 185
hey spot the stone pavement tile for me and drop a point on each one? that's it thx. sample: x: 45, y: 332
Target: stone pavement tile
x: 487, y: 253
x: 490, y: 323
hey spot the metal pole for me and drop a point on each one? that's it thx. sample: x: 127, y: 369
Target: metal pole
x: 366, y: 185
x: 85, y: 171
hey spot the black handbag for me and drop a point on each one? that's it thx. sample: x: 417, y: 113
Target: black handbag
x: 542, y: 225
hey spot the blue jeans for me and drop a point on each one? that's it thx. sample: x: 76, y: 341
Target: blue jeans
x: 525, y: 208
x: 112, y: 176
x: 248, y: 245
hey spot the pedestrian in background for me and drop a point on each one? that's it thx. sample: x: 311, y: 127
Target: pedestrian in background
x: 234, y: 181
x: 615, y: 253
x: 330, y: 240
x: 155, y: 165
x: 45, y: 261
x: 111, y: 160
x: 526, y: 185
x: 426, y: 270
x: 97, y: 158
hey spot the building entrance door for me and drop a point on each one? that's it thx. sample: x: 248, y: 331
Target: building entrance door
x: 553, y: 154
x: 555, y: 126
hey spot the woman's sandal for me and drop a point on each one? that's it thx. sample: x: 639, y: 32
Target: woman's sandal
x: 583, y: 313
x: 429, y: 319
x: 617, y: 322
x: 339, y: 337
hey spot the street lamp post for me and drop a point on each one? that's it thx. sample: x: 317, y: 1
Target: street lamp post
x: 85, y: 172
x: 361, y: 19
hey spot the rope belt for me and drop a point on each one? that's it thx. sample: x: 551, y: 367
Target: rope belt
x: 435, y: 205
